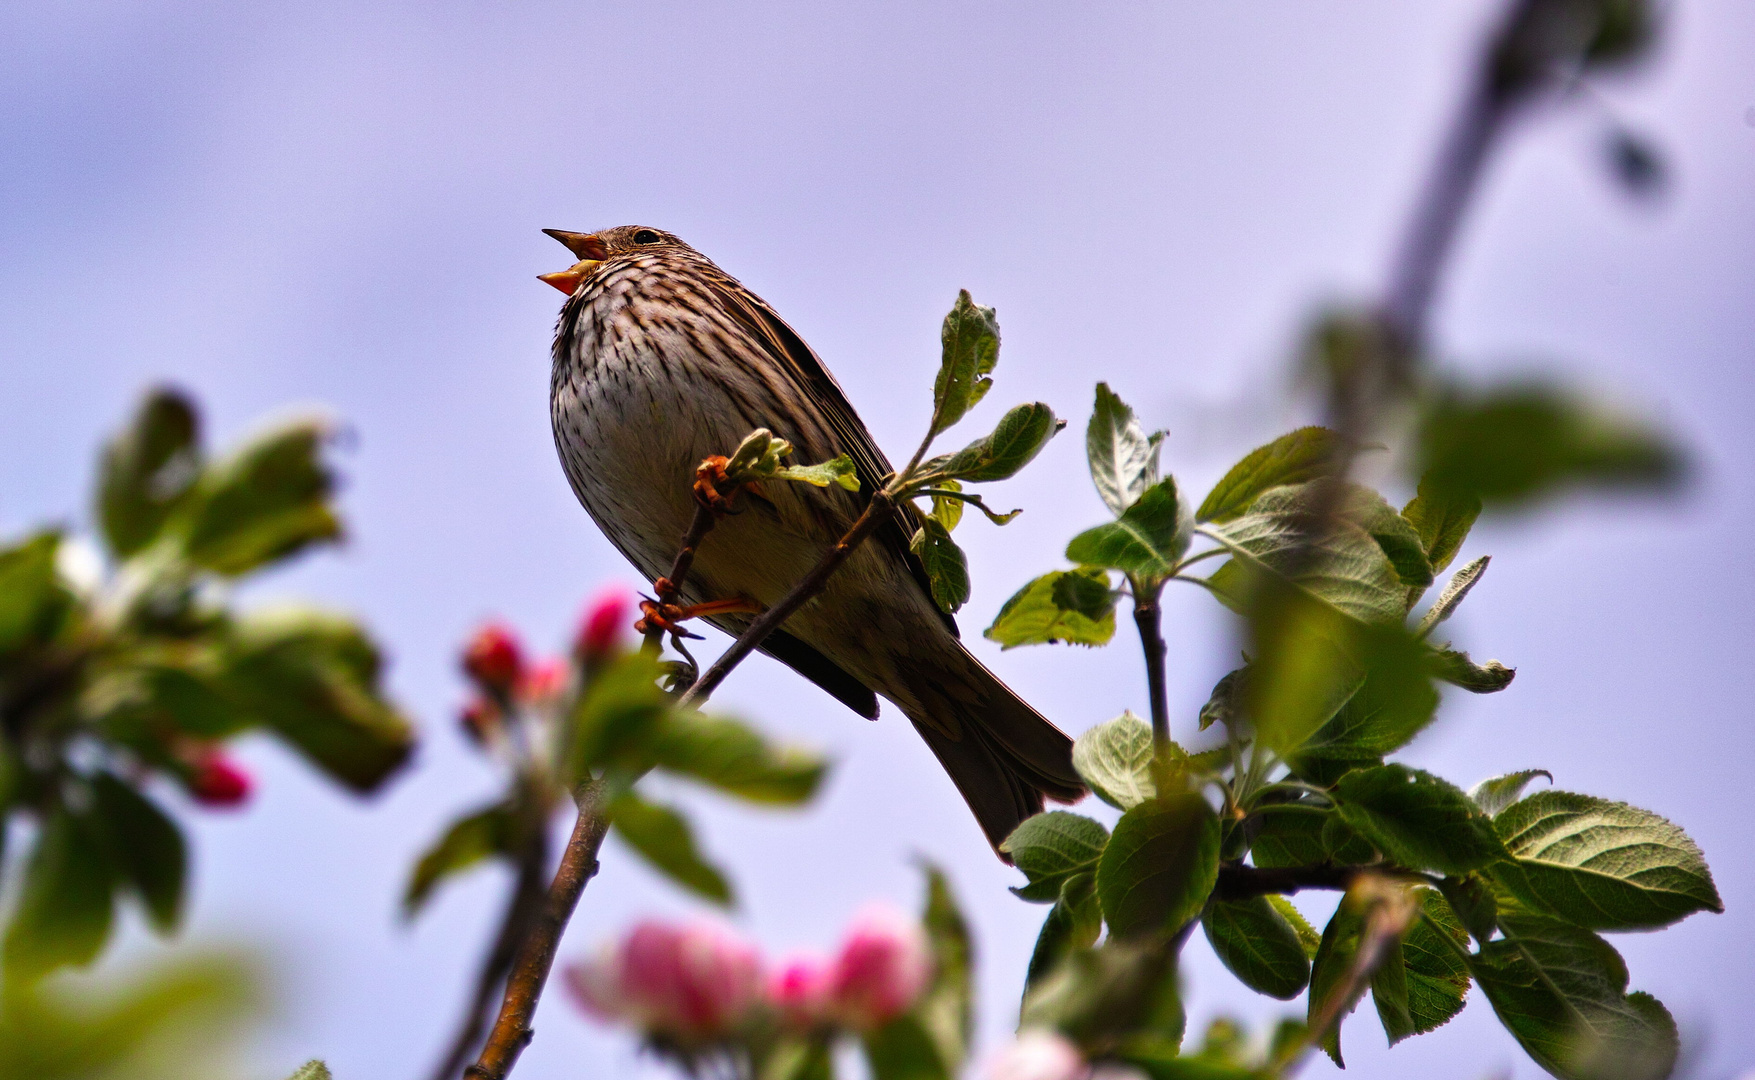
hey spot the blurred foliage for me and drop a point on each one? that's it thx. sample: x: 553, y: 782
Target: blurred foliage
x: 111, y: 676
x: 176, y: 1021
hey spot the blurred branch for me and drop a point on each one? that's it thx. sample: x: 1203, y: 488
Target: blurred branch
x: 521, y: 910
x: 536, y: 955
x: 1148, y: 617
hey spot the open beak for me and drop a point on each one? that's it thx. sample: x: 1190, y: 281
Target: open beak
x: 591, y: 252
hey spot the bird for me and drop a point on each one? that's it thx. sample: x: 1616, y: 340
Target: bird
x: 662, y: 359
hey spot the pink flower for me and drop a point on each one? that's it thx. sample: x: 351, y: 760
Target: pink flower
x: 882, y: 968
x: 494, y: 659
x: 1037, y: 1054
x: 694, y: 983
x: 799, y: 991
x: 601, y: 630
x: 544, y: 681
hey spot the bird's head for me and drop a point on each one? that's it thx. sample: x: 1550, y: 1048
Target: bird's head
x: 596, y: 248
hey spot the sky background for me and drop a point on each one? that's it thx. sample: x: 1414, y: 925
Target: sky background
x: 336, y: 205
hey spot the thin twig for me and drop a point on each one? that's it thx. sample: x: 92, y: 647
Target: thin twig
x: 877, y: 512
x: 526, y: 900
x: 536, y: 955
x: 1244, y: 882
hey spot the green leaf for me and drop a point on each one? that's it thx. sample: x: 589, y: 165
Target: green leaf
x: 1073, y: 923
x: 793, y: 1057
x: 1160, y: 866
x: 481, y: 835
x: 1437, y: 978
x: 947, y: 570
x: 1051, y: 847
x: 1496, y: 793
x: 147, y: 847
x: 618, y: 716
x: 1294, y: 458
x: 1260, y: 947
x: 1331, y: 969
x: 1473, y: 902
x: 1562, y: 993
x: 948, y: 511
x: 1446, y: 604
x: 946, y: 1010
x: 664, y: 839
x: 1015, y: 441
x: 1395, y: 535
x: 904, y: 1050
x: 1389, y: 993
x: 1119, y: 997
x: 1115, y: 758
x: 1602, y: 865
x: 1123, y: 458
x: 1443, y: 520
x: 1074, y: 606
x: 1457, y: 669
x: 736, y: 759
x: 147, y: 470
x: 1308, y: 938
x: 1416, y: 819
x: 970, y: 340
x: 1225, y: 704
x: 64, y: 907
x: 312, y: 1070
x: 265, y: 502
x: 314, y: 679
x: 1287, y: 834
x: 1517, y: 442
x: 1341, y: 564
x: 1148, y: 539
x: 838, y: 470
x: 1384, y: 713
x: 34, y: 603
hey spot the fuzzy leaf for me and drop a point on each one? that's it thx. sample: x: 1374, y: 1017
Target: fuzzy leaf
x: 835, y: 471
x: 1147, y: 540
x: 1015, y: 441
x: 1258, y: 945
x: 736, y: 759
x: 147, y: 470
x: 1160, y: 865
x: 1460, y: 584
x: 263, y: 503
x: 947, y: 569
x: 1496, y: 793
x: 1443, y: 519
x: 470, y: 840
x: 1074, y: 606
x: 970, y: 340
x: 1115, y: 758
x: 1602, y: 865
x: 1051, y: 847
x: 151, y: 857
x: 1418, y: 820
x: 1293, y: 458
x: 1123, y: 458
x: 64, y: 910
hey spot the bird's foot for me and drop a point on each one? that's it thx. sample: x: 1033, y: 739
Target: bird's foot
x: 663, y: 615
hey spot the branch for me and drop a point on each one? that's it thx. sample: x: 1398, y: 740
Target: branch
x: 1148, y: 616
x: 1244, y: 882
x: 669, y: 587
x: 881, y: 508
x: 512, y: 1031
x: 521, y: 909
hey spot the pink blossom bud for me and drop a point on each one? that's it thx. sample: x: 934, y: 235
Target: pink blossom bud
x: 799, y: 991
x: 601, y: 630
x: 882, y: 968
x: 1038, y: 1054
x: 544, y: 682
x: 693, y: 983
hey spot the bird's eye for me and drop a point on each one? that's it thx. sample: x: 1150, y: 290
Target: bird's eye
x: 645, y: 236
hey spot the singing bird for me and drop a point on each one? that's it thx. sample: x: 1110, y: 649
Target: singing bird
x: 662, y: 359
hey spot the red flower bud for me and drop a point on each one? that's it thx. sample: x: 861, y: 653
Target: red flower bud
x: 494, y: 659
x: 882, y: 968
x: 219, y: 782
x: 600, y: 630
x: 544, y: 682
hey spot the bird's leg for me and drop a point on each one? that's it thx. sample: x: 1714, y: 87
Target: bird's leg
x: 659, y: 615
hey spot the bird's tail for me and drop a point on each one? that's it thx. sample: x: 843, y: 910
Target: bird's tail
x: 1004, y: 756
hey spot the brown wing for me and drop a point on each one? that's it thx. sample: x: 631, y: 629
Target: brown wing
x: 798, y: 360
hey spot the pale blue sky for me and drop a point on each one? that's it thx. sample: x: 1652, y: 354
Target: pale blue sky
x: 338, y: 204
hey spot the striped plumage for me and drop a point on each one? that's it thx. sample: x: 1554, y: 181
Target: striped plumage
x: 661, y: 359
